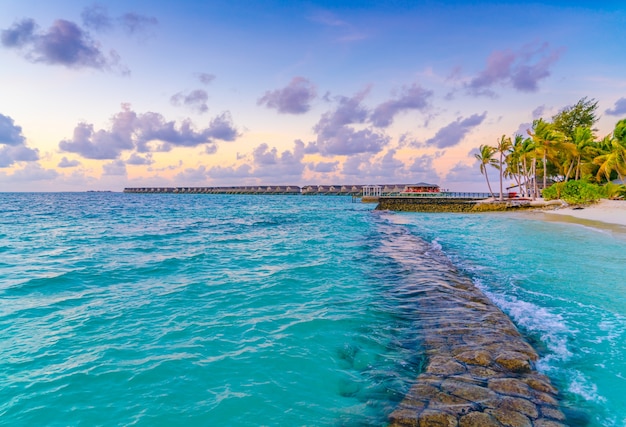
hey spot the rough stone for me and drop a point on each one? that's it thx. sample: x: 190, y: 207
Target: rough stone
x: 513, y: 361
x: 478, y: 419
x: 475, y: 357
x: 479, y: 369
x: 545, y: 398
x: 518, y: 404
x: 434, y: 418
x: 444, y: 366
x: 510, y: 418
x: 451, y: 404
x: 540, y: 385
x: 542, y: 422
x: 552, y: 412
x: 510, y: 387
x: 423, y: 391
x: 403, y: 417
x: 481, y: 372
x: 473, y: 393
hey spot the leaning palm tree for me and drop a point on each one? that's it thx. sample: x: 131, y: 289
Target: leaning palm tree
x: 503, y: 147
x: 614, y: 160
x: 485, y: 158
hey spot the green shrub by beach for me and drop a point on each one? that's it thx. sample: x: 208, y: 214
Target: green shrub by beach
x: 574, y: 192
x: 582, y: 191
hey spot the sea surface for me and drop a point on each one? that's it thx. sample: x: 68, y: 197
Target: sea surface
x: 198, y: 310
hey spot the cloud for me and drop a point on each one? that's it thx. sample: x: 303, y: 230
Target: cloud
x: 192, y: 177
x: 206, y: 78
x: 64, y: 43
x: 221, y: 127
x: 324, y: 167
x: 136, y: 159
x: 523, y: 128
x: 196, y: 99
x: 336, y: 137
x: 522, y: 69
x: 65, y: 163
x: 295, y: 98
x: 422, y: 170
x: 21, y: 34
x: 33, y: 172
x: 411, y: 98
x: 130, y: 131
x: 389, y: 169
x: 347, y: 141
x: 265, y: 162
x: 348, y: 111
x: 538, y: 112
x: 133, y: 22
x: 10, y: 133
x: 96, y: 17
x: 344, y: 31
x: 115, y: 168
x: 13, y: 144
x: 454, y: 132
x: 462, y: 173
x: 327, y: 18
x: 619, y: 108
x: 220, y: 172
x: 269, y: 163
x: 17, y: 153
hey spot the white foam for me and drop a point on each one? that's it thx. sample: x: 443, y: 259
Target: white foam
x: 550, y: 327
x: 581, y: 386
x: 436, y: 245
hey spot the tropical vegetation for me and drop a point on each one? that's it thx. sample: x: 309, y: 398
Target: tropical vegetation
x: 561, y: 158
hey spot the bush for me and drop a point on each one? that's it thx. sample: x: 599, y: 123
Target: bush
x: 575, y: 192
x: 614, y: 191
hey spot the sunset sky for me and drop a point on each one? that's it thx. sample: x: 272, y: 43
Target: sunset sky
x: 102, y: 96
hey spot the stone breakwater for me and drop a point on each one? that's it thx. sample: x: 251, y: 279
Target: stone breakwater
x: 443, y: 204
x: 479, y: 370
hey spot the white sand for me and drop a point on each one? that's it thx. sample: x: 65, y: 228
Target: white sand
x: 607, y: 211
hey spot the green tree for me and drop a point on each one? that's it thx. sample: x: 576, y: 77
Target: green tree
x: 583, y: 139
x: 547, y: 140
x: 613, y: 158
x: 582, y: 114
x: 485, y: 158
x: 613, y: 161
x: 503, y: 147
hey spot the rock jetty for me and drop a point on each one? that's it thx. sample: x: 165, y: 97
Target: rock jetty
x: 479, y: 370
x: 458, y: 204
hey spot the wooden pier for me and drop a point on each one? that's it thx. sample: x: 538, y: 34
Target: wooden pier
x: 355, y: 191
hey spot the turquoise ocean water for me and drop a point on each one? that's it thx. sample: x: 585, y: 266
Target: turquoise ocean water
x: 198, y: 310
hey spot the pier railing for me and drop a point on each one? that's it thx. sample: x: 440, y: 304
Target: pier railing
x: 444, y: 195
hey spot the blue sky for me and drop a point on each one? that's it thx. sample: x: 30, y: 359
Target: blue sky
x: 152, y: 93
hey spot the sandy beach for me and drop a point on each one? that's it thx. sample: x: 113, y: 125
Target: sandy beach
x: 606, y: 211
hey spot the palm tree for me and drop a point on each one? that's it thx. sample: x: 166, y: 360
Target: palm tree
x: 547, y: 140
x: 513, y: 161
x: 485, y: 157
x: 504, y: 146
x: 615, y: 158
x: 583, y: 139
x: 527, y: 150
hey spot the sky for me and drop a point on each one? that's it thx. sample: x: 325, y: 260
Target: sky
x: 136, y: 93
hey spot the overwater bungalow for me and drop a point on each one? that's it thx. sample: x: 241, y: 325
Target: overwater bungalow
x: 421, y: 187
